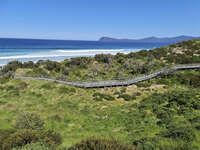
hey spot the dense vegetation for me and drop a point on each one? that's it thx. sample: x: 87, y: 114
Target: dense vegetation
x: 120, y: 66
x: 159, y: 114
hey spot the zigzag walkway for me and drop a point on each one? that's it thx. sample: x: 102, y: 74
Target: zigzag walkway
x: 114, y: 83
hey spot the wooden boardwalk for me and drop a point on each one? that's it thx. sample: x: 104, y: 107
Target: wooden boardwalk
x: 114, y: 83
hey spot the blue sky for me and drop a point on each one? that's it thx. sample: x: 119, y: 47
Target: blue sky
x: 91, y: 19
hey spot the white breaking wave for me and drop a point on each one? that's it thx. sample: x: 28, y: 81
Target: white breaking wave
x: 90, y: 50
x: 66, y: 53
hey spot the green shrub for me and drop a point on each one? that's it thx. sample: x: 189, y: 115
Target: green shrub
x: 29, y: 64
x: 52, y: 66
x: 120, y: 58
x: 20, y: 138
x: 82, y: 62
x: 22, y: 85
x: 12, y: 66
x: 33, y: 146
x: 10, y: 88
x: 104, y: 58
x: 195, y: 122
x: 189, y: 79
x: 126, y: 97
x: 101, y: 144
x: 29, y: 121
x: 4, y: 80
x: 55, y: 117
x: 138, y: 94
x: 47, y: 86
x: 176, y: 99
x: 4, y: 134
x: 52, y: 138
x: 144, y: 84
x: 146, y: 144
x: 23, y: 137
x: 159, y: 143
x: 117, y: 93
x: 100, y: 97
x: 38, y: 72
x: 66, y: 72
x: 1, y: 88
x: 64, y: 90
x: 178, y: 131
x: 123, y: 90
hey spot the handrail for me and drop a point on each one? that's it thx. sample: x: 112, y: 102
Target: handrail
x: 114, y: 83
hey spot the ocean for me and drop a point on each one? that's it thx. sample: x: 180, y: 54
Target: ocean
x: 58, y: 50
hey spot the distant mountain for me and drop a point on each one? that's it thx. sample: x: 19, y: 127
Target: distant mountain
x: 150, y: 39
x: 45, y: 42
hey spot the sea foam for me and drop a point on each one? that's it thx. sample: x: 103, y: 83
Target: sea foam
x: 62, y: 53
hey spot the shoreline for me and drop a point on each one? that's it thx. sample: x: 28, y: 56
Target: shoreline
x: 59, y: 58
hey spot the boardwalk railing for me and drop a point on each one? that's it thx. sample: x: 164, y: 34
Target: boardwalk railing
x: 114, y: 83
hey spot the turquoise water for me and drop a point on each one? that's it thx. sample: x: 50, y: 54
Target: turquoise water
x: 34, y: 50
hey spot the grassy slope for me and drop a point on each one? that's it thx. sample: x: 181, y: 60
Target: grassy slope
x: 76, y: 114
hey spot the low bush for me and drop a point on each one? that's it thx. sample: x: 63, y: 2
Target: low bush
x: 100, y: 97
x: 12, y: 66
x: 23, y: 137
x: 22, y: 85
x: 144, y: 84
x: 34, y: 146
x: 29, y: 121
x: 38, y: 72
x: 52, y: 138
x: 4, y: 80
x: 55, y: 117
x: 117, y: 93
x: 81, y: 62
x: 182, y: 132
x: 52, y: 66
x: 47, y: 86
x: 101, y: 144
x: 127, y: 97
x: 29, y: 64
x: 4, y: 134
x: 20, y: 138
x: 138, y: 94
x: 164, y: 115
x: 1, y: 88
x: 64, y: 90
x: 10, y: 88
x: 181, y: 99
x: 189, y: 79
x: 146, y: 143
x: 66, y: 72
x: 104, y: 58
x: 195, y: 122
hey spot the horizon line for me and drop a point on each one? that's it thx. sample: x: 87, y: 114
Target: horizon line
x: 27, y: 38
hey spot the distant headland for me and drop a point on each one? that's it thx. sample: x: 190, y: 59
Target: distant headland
x: 150, y: 39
